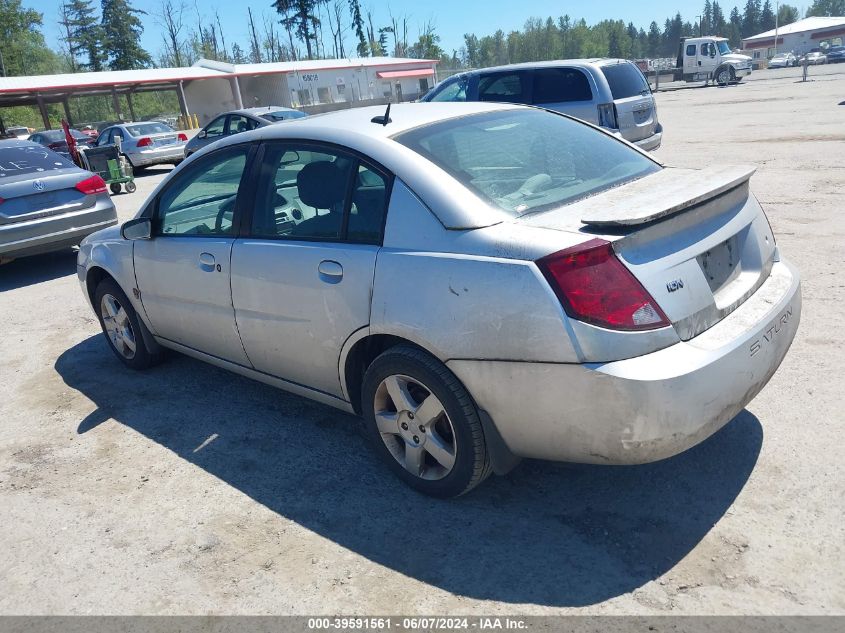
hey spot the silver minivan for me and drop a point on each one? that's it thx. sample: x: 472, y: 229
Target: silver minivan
x: 612, y: 93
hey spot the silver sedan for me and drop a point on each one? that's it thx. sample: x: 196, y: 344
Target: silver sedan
x: 481, y: 282
x: 46, y: 202
x: 146, y: 143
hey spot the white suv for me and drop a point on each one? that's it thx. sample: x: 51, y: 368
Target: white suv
x: 612, y: 93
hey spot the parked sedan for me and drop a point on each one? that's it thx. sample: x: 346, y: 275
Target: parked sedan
x: 836, y: 55
x: 146, y: 143
x: 56, y: 140
x: 481, y: 282
x: 46, y: 202
x: 238, y: 121
x: 815, y: 58
x: 783, y: 60
x: 18, y: 132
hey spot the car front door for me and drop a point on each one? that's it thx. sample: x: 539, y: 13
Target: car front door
x: 302, y: 274
x: 182, y: 272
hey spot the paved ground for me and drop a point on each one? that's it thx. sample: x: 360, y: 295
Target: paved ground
x: 189, y: 490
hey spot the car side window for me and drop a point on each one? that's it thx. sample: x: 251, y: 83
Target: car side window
x: 201, y: 200
x: 455, y: 91
x: 239, y: 123
x: 215, y: 128
x: 310, y: 193
x: 508, y: 87
x: 557, y: 85
x: 690, y: 50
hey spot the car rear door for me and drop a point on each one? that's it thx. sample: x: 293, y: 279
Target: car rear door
x: 567, y: 90
x: 302, y: 273
x: 183, y: 272
x: 636, y: 111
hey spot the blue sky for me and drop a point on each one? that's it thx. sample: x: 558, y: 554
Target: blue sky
x: 452, y: 18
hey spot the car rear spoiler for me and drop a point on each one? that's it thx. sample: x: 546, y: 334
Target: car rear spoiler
x: 660, y: 195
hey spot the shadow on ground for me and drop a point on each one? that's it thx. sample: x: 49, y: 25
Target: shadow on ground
x: 27, y: 271
x: 551, y: 534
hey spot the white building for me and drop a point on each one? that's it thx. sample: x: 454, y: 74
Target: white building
x: 313, y: 85
x: 803, y: 36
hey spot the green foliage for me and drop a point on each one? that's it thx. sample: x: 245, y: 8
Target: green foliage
x: 84, y: 36
x: 358, y: 26
x: 300, y: 15
x: 827, y: 8
x: 121, y: 35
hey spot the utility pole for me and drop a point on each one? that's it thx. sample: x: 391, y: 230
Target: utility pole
x: 777, y: 11
x: 699, y: 25
x: 2, y: 65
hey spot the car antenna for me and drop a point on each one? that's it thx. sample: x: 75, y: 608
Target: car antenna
x: 383, y: 119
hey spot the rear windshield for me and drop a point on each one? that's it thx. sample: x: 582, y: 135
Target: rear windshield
x: 59, y: 135
x: 527, y: 160
x: 29, y: 159
x: 626, y: 80
x: 139, y: 129
x: 282, y: 115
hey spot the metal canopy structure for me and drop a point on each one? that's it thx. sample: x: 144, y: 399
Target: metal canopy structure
x: 41, y: 90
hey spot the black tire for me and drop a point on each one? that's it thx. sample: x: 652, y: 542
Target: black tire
x: 131, y: 187
x: 142, y: 357
x: 114, y: 188
x: 471, y: 460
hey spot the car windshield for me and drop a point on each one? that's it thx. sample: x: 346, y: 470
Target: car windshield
x: 724, y: 49
x: 526, y: 160
x: 140, y: 129
x: 29, y: 159
x: 282, y: 115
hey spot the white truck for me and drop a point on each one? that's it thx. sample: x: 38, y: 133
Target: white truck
x: 709, y: 59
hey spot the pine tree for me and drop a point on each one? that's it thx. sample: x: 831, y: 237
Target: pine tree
x: 121, y: 31
x: 767, y: 17
x: 300, y: 15
x: 358, y: 25
x: 86, y: 33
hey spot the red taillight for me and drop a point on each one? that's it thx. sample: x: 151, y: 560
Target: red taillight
x: 594, y: 286
x: 182, y: 137
x: 92, y: 185
x: 607, y: 116
x: 146, y: 141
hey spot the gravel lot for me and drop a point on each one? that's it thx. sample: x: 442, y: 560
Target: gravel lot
x: 190, y: 490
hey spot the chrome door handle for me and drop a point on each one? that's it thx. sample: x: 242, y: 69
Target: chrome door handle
x: 330, y: 271
x: 207, y: 262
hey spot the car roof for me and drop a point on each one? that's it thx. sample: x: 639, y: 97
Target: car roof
x: 587, y: 62
x: 262, y: 110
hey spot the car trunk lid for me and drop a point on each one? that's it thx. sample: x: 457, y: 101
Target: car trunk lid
x: 31, y: 196
x: 698, y: 241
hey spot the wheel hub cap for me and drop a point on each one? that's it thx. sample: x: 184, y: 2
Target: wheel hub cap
x: 415, y: 427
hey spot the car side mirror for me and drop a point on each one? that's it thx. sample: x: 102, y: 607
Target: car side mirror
x: 137, y: 229
x: 202, y: 134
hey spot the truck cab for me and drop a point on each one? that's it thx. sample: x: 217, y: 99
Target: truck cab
x: 710, y: 59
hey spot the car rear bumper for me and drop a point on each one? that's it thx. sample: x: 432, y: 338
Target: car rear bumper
x: 55, y: 232
x: 157, y: 156
x: 646, y: 408
x: 652, y: 142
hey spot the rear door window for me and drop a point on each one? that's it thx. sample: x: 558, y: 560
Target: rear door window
x: 16, y: 161
x: 507, y: 87
x: 690, y: 50
x: 558, y: 85
x: 626, y: 80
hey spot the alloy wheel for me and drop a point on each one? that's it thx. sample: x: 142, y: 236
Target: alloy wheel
x: 415, y: 427
x: 118, y: 326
